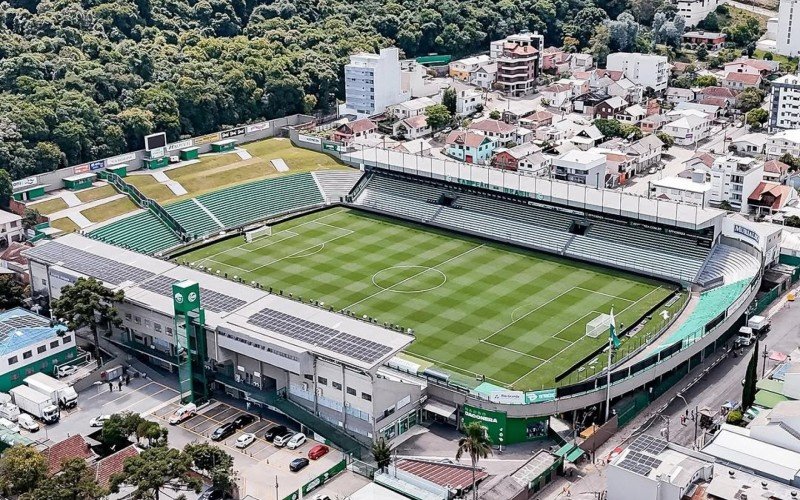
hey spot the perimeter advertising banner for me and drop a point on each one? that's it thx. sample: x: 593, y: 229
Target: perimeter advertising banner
x: 503, y: 430
x: 493, y: 421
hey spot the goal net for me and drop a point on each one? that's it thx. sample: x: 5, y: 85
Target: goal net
x: 260, y: 232
x: 598, y: 326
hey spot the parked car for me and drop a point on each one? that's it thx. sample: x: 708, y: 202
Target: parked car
x: 273, y: 432
x: 99, y: 420
x: 281, y: 441
x: 8, y: 424
x: 185, y: 412
x: 298, y: 464
x: 296, y: 441
x: 245, y: 440
x: 66, y: 370
x: 243, y: 420
x: 27, y: 422
x: 222, y: 432
x: 318, y: 452
x: 211, y: 494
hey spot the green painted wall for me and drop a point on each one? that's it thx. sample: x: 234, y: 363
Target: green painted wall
x: 503, y: 430
x: 13, y: 378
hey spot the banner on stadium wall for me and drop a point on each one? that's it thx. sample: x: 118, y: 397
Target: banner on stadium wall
x: 508, y: 397
x: 257, y: 127
x: 116, y: 160
x: 97, y: 165
x: 23, y: 183
x: 493, y: 421
x: 227, y: 134
x: 180, y: 145
x: 80, y: 169
x: 309, y: 139
x: 332, y: 146
x: 205, y: 139
x: 540, y: 396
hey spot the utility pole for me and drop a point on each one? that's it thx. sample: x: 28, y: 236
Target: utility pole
x: 764, y: 365
x: 277, y: 496
x: 696, y: 418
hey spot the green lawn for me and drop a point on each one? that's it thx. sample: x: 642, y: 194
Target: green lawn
x: 477, y: 308
x: 109, y: 210
x: 65, y: 224
x: 49, y: 206
x: 98, y: 193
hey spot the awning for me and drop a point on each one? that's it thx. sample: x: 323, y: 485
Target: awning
x: 565, y: 450
x: 439, y: 408
x: 574, y: 455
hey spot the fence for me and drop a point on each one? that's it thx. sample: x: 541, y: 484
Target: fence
x: 627, y: 410
x: 317, y: 481
x: 765, y: 300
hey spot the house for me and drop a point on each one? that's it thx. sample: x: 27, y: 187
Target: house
x: 632, y: 114
x: 619, y: 167
x: 413, y: 107
x: 689, y: 129
x: 74, y: 446
x: 469, y: 99
x: 646, y: 151
x: 647, y: 70
x: 692, y: 190
x: 105, y: 468
x: 500, y: 132
x: 733, y: 178
x: 728, y: 94
x: 347, y: 132
x: 785, y: 141
x: 588, y: 102
x: 703, y: 161
x: 419, y: 147
x: 694, y: 11
x: 10, y: 228
x: 537, y: 119
x: 414, y: 80
x: 741, y: 81
x: 627, y: 90
x: 581, y: 167
x: 579, y: 86
x: 610, y: 107
x: 557, y: 94
x: 412, y: 128
x: 469, y: 147
x: 752, y: 66
x: 769, y: 197
x: 536, y: 164
x: 653, y: 123
x: 776, y: 171
x: 674, y: 95
x: 518, y: 62
x: 750, y: 144
x: 508, y: 159
x: 707, y: 109
x: 712, y: 41
x: 581, y: 62
x: 485, y: 76
x: 11, y: 259
x: 464, y: 68
x: 555, y: 60
x: 586, y: 137
x: 679, y: 68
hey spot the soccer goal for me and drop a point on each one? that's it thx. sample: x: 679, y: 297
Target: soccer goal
x: 598, y: 325
x: 260, y: 232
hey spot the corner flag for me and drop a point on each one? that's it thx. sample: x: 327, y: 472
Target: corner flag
x: 612, y: 332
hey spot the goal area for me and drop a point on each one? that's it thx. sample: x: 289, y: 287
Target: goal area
x: 598, y: 325
x: 260, y: 232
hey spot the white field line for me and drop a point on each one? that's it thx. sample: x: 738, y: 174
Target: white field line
x: 602, y: 293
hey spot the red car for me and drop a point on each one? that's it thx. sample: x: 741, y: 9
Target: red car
x: 318, y: 451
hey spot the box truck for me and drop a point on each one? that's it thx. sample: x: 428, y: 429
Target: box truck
x: 60, y: 393
x: 35, y: 403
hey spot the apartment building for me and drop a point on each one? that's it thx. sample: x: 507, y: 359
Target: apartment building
x: 518, y: 62
x: 785, y: 141
x: 10, y: 228
x: 646, y: 70
x: 733, y: 179
x: 787, y: 38
x: 581, y: 167
x: 372, y: 82
x: 694, y: 11
x: 784, y: 103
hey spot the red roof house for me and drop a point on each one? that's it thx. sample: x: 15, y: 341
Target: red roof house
x: 72, y: 447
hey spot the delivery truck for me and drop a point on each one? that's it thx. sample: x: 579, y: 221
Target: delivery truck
x: 35, y: 403
x: 60, y: 393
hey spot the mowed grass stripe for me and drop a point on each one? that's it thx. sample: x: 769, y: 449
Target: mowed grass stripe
x: 529, y: 307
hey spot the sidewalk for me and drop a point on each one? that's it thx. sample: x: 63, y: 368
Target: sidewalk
x: 74, y: 212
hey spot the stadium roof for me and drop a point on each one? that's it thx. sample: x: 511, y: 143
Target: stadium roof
x: 547, y: 190
x: 20, y: 328
x: 234, y: 306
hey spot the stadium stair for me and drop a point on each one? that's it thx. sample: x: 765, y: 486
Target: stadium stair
x: 335, y: 184
x: 727, y: 264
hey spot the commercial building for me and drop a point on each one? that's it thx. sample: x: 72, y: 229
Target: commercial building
x: 372, y: 82
x: 694, y: 11
x: 29, y: 344
x: 787, y: 38
x: 646, y: 70
x: 518, y: 62
x: 733, y: 179
x: 784, y: 103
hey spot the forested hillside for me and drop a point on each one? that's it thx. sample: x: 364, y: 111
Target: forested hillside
x: 84, y: 79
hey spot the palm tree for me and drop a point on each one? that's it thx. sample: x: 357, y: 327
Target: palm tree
x: 478, y: 445
x: 382, y: 453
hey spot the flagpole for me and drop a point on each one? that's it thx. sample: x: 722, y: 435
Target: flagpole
x: 608, y: 378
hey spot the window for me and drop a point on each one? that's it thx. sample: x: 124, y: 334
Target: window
x: 309, y: 377
x: 41, y: 349
x: 12, y: 360
x: 337, y: 386
x: 322, y: 380
x: 27, y: 354
x: 147, y: 323
x: 128, y: 316
x: 137, y: 320
x: 169, y: 330
x: 157, y: 327
x: 67, y: 339
x: 366, y: 397
x: 54, y: 344
x: 351, y: 391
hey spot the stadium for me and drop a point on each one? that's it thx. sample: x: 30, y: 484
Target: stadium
x: 397, y: 289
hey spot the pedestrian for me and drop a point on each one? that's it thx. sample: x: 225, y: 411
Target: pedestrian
x: 127, y: 379
x: 110, y: 387
x: 119, y: 384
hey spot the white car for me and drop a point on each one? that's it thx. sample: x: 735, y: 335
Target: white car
x: 28, y: 423
x: 66, y: 370
x: 296, y: 441
x: 8, y: 424
x: 99, y: 420
x: 245, y: 440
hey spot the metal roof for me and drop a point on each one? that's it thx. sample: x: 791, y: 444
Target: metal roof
x: 20, y: 328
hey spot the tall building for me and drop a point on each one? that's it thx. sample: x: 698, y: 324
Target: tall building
x: 784, y: 102
x: 787, y: 38
x: 518, y: 62
x: 733, y: 179
x: 373, y: 81
x: 646, y: 70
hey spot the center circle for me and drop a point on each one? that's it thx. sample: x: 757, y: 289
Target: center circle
x: 409, y: 279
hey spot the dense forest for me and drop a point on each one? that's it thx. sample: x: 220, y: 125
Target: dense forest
x: 85, y: 79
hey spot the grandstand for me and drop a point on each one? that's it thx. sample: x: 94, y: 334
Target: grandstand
x: 336, y: 184
x: 143, y: 232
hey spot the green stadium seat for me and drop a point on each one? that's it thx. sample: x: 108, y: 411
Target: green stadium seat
x: 142, y: 232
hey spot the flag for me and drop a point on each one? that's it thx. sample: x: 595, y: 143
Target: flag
x: 612, y: 332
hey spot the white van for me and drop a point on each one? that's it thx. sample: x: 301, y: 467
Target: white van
x: 185, y: 412
x: 28, y: 423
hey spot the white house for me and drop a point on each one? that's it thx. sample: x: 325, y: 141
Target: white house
x: 581, y: 62
x: 785, y: 141
x: 646, y: 70
x: 632, y: 114
x: 413, y: 107
x: 414, y: 80
x: 692, y: 191
x: 10, y: 228
x: 372, y: 82
x: 501, y: 132
x: 463, y: 69
x: 581, y: 167
x: 469, y: 99
x: 674, y: 95
x: 694, y: 11
x: 557, y: 94
x: 688, y: 129
x: 414, y: 127
x: 750, y: 144
x: 484, y: 76
x: 733, y: 179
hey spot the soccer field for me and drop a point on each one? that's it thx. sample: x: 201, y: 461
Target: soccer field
x: 477, y: 308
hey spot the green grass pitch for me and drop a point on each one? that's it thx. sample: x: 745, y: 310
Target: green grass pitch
x: 476, y: 307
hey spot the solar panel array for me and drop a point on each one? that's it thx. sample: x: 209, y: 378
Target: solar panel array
x: 648, y: 444
x: 102, y: 268
x: 319, y: 335
x: 211, y: 300
x: 635, y: 467
x: 641, y: 458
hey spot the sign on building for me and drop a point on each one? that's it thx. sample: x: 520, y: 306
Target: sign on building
x: 310, y: 139
x: 256, y: 127
x: 23, y: 183
x: 187, y: 143
x: 117, y: 160
x: 227, y: 134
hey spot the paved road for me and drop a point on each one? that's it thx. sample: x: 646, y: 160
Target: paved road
x: 750, y: 8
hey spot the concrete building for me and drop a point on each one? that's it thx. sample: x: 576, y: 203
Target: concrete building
x: 414, y: 80
x: 694, y: 11
x: 692, y: 191
x: 485, y: 76
x: 784, y: 103
x: 372, y: 82
x: 413, y: 107
x: 464, y: 68
x: 787, y: 38
x: 785, y: 141
x: 646, y: 70
x: 733, y: 179
x: 518, y: 62
x: 469, y: 99
x: 10, y: 228
x: 689, y: 128
x: 581, y: 167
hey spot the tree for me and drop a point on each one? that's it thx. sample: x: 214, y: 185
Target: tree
x: 705, y: 81
x: 214, y: 462
x: 792, y: 221
x: 5, y: 188
x: 30, y: 218
x: 11, y: 293
x: 702, y: 52
x: 449, y: 100
x: 792, y: 161
x: 115, y: 431
x: 631, y: 132
x: 599, y: 44
x: 757, y: 117
x: 477, y: 445
x: 750, y: 379
x: 495, y: 115
x: 154, y: 469
x: 76, y: 481
x: 711, y: 22
x: 644, y: 10
x: 608, y: 127
x: 88, y: 303
x: 734, y: 417
x: 749, y: 98
x: 437, y: 116
x: 22, y: 468
x: 382, y: 453
x: 622, y: 33
x: 726, y: 205
x: 666, y: 139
